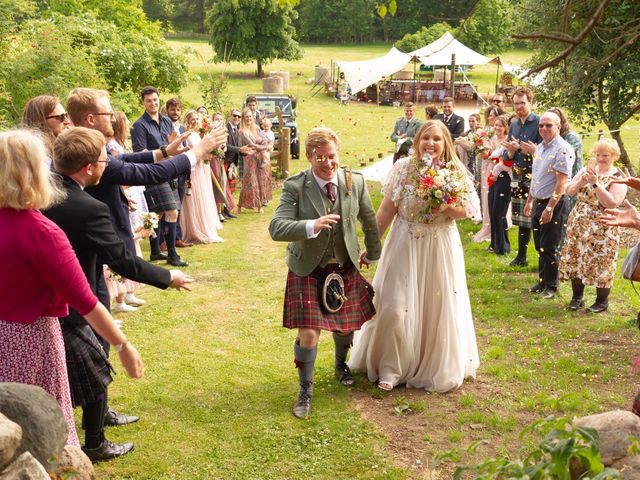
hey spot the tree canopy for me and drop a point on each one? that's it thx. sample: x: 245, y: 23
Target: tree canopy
x: 252, y: 30
x: 58, y: 46
x: 589, y: 53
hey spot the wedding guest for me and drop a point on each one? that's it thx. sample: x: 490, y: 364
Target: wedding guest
x: 465, y: 147
x: 575, y: 141
x: 221, y: 190
x: 256, y: 184
x: 405, y: 127
x: 546, y: 203
x: 520, y: 146
x: 422, y: 334
x: 454, y: 122
x: 46, y: 113
x: 430, y: 112
x: 499, y: 197
x: 590, y: 251
x: 317, y: 215
x: 199, y: 219
x: 40, y: 277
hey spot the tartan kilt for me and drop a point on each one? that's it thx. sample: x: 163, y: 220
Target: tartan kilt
x: 88, y: 367
x: 518, y: 201
x: 162, y: 197
x: 302, y: 308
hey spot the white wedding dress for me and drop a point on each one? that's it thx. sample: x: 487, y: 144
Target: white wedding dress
x: 423, y: 333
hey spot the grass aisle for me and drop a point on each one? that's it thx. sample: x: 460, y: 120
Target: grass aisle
x: 220, y: 382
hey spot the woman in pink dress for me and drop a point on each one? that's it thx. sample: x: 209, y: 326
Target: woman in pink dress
x: 39, y: 277
x: 256, y: 176
x: 199, y: 217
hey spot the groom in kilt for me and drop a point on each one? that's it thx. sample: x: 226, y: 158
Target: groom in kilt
x: 317, y: 215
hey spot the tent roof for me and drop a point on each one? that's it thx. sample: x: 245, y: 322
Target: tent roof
x: 363, y: 73
x: 439, y: 53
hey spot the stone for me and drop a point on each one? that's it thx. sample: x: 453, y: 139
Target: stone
x: 629, y: 467
x: 25, y: 467
x: 44, y: 429
x: 613, y: 428
x: 73, y: 459
x: 10, y: 438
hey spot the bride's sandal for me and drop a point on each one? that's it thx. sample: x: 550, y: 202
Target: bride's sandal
x: 386, y: 386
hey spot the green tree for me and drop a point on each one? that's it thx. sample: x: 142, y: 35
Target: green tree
x: 489, y: 28
x: 252, y: 30
x: 590, y: 52
x: 189, y: 15
x: 340, y: 21
x: 159, y: 10
x: 424, y: 36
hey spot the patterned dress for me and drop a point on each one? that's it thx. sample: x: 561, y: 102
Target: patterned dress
x: 590, y: 250
x: 256, y: 175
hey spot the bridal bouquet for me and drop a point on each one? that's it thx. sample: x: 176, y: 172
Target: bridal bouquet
x: 150, y: 222
x: 203, y: 128
x: 480, y: 140
x: 437, y: 184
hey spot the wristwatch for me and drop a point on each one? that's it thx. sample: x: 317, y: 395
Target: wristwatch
x: 163, y: 149
x: 121, y: 346
x: 549, y: 209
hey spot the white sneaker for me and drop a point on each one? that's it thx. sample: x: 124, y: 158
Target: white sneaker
x: 131, y: 299
x: 123, y: 307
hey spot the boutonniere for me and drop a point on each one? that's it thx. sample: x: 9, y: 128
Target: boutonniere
x: 348, y: 180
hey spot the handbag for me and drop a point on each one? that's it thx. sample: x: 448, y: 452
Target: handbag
x: 631, y: 264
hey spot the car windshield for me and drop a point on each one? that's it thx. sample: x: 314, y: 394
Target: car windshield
x: 268, y: 105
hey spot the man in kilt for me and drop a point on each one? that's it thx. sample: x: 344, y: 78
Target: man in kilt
x: 519, y: 148
x: 317, y: 216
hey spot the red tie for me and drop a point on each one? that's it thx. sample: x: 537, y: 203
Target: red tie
x: 331, y: 192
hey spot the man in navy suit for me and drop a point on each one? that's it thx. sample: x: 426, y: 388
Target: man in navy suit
x: 454, y: 123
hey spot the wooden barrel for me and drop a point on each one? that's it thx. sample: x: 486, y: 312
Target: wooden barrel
x: 285, y: 79
x: 322, y: 75
x: 272, y: 85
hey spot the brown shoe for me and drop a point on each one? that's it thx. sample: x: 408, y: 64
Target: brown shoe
x: 183, y: 244
x: 163, y: 247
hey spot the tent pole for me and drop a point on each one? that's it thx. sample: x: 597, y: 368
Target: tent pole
x: 497, y: 75
x: 415, y: 92
x: 453, y: 75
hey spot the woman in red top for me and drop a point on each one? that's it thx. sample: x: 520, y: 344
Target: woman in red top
x: 39, y: 277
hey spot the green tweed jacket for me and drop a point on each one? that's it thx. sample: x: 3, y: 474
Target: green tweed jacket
x: 302, y: 200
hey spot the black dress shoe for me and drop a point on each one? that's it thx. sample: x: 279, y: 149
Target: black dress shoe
x: 303, y: 406
x: 227, y: 213
x: 343, y: 374
x: 575, y: 304
x: 549, y: 293
x: 108, y: 450
x: 157, y: 256
x: 177, y: 262
x: 115, y: 419
x: 537, y: 288
x: 519, y: 262
x: 598, y: 307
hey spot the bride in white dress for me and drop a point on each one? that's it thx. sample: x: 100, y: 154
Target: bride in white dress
x: 422, y: 334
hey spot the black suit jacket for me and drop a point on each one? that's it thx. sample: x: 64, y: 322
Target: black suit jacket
x: 133, y: 169
x: 455, y: 124
x: 232, y: 155
x: 87, y: 224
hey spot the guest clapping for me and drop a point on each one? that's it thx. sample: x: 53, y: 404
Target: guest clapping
x: 591, y: 248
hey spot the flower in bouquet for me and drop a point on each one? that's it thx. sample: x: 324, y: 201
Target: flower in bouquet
x: 481, y: 145
x: 203, y: 128
x: 438, y: 184
x: 150, y: 222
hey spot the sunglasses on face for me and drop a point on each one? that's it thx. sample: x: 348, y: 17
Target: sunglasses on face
x: 61, y: 117
x: 497, y: 101
x: 235, y: 115
x: 546, y: 125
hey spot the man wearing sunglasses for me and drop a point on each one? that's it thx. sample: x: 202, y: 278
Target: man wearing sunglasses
x: 499, y: 101
x: 553, y: 160
x: 233, y: 154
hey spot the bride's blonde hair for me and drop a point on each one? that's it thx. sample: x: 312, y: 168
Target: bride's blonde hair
x: 449, y: 154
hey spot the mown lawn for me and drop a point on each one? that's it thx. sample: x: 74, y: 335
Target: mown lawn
x: 220, y: 382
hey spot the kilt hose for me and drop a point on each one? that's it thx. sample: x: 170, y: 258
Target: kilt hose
x: 161, y: 198
x: 88, y: 367
x: 302, y: 307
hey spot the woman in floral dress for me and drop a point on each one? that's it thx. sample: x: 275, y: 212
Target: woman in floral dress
x: 256, y: 183
x: 590, y: 250
x: 422, y: 334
